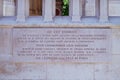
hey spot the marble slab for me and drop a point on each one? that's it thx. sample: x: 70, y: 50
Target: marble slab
x: 61, y: 44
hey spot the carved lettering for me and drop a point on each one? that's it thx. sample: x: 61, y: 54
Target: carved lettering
x: 61, y: 44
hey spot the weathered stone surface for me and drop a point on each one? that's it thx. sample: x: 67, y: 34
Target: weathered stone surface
x: 102, y: 72
x: 12, y: 70
x: 5, y: 43
x: 61, y: 44
x: 22, y: 71
x: 116, y: 41
x: 114, y: 9
x: 8, y: 8
x: 70, y: 72
x: 90, y: 9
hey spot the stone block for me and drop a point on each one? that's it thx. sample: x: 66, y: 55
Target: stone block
x: 5, y: 43
x: 116, y: 41
x: 70, y: 72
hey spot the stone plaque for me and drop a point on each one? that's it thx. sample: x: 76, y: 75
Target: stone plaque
x: 61, y: 44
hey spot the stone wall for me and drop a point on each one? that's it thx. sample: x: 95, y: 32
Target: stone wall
x: 10, y: 69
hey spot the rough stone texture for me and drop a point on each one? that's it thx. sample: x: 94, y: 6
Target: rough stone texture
x: 57, y: 71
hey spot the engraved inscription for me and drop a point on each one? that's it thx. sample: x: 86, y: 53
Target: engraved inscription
x: 61, y: 44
